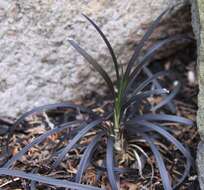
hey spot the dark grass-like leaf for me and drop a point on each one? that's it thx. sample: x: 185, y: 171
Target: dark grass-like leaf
x: 95, y: 65
x: 46, y: 180
x: 174, y: 141
x: 136, y: 100
x: 33, y: 183
x: 38, y: 140
x: 142, y: 95
x: 107, y: 44
x: 148, y: 81
x: 44, y: 108
x: 138, y: 48
x: 159, y: 162
x: 168, y: 98
x: 162, y: 117
x: 86, y: 158
x: 117, y: 169
x: 167, y: 135
x: 72, y: 142
x: 157, y: 46
x: 110, y: 164
x: 170, y: 105
x: 149, y: 54
x: 185, y: 173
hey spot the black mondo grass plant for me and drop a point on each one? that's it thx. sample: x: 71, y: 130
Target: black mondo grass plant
x: 123, y: 136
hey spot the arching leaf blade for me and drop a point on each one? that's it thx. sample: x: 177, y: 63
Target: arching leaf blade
x: 95, y: 65
x: 46, y: 180
x: 110, y: 164
x: 107, y: 44
x: 79, y: 135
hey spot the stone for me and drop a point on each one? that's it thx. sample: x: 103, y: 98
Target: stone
x: 197, y: 22
x: 37, y: 64
x: 200, y: 164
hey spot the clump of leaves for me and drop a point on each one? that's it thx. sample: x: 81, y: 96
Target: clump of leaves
x: 121, y: 128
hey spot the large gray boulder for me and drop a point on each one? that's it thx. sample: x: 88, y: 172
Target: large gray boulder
x: 38, y: 66
x: 198, y: 24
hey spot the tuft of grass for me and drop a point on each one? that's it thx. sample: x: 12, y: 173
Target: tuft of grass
x: 126, y: 122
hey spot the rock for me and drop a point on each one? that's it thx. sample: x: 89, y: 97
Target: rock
x: 38, y: 66
x: 198, y: 20
x: 200, y: 164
